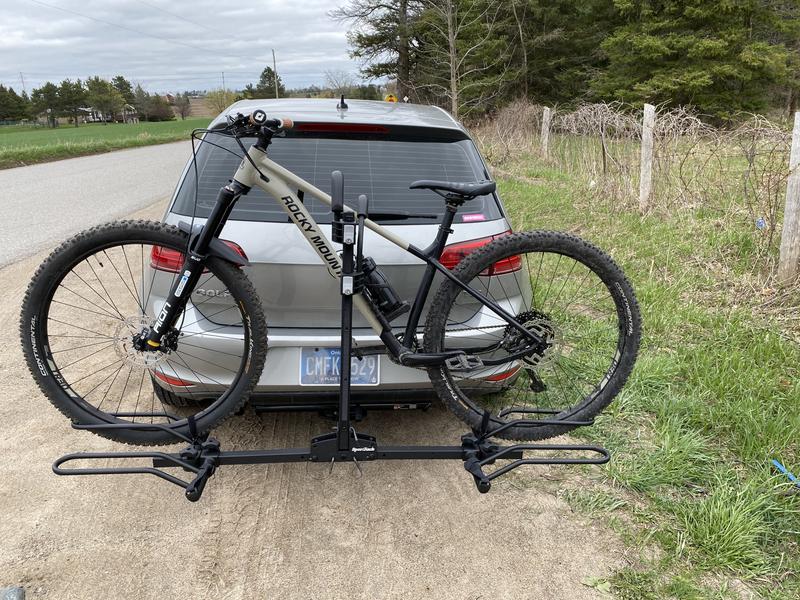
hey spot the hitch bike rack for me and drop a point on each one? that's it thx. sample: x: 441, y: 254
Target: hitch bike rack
x: 203, y: 456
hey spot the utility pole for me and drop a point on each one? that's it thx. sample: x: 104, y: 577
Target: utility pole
x: 275, y: 71
x: 223, y: 81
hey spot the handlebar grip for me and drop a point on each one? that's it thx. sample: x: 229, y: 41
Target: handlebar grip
x: 337, y: 192
x: 259, y: 118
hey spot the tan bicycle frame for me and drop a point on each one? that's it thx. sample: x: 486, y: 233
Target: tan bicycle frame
x: 282, y: 184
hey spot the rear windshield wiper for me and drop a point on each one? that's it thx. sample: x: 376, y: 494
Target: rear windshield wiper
x: 399, y: 215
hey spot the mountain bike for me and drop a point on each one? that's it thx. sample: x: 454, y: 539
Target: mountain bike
x: 142, y: 322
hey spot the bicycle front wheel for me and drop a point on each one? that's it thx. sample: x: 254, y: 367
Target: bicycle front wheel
x: 99, y: 290
x: 563, y: 289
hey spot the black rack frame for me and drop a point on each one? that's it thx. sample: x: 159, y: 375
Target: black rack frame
x: 202, y: 456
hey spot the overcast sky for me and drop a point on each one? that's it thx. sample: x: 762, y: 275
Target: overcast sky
x: 170, y: 45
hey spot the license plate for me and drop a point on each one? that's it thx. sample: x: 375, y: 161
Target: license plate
x: 320, y: 366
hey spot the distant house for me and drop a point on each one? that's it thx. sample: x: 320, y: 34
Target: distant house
x: 92, y: 115
x: 129, y: 114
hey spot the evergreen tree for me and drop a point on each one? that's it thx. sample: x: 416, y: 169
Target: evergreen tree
x: 265, y: 88
x: 556, y: 46
x: 102, y: 96
x: 13, y: 107
x: 383, y: 38
x: 124, y: 87
x: 142, y: 102
x: 45, y: 101
x: 708, y: 54
x: 71, y: 97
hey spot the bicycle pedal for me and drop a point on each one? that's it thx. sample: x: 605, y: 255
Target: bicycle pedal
x: 464, y: 362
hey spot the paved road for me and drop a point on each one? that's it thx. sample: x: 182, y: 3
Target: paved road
x: 43, y: 204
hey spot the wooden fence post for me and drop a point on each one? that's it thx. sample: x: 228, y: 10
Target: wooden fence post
x: 547, y: 116
x: 790, y: 238
x: 646, y: 173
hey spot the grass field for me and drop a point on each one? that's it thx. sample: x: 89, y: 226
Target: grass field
x: 714, y: 397
x: 24, y: 145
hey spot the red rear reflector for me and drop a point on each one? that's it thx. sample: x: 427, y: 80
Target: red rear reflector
x: 341, y: 128
x: 167, y: 259
x: 454, y: 253
x: 503, y: 375
x: 236, y: 247
x: 174, y: 381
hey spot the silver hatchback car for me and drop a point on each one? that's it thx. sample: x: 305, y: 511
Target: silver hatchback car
x: 380, y: 148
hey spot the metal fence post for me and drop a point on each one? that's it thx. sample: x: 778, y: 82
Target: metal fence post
x: 790, y: 238
x: 547, y: 116
x: 646, y: 173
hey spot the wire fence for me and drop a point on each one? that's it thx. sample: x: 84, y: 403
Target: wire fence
x: 740, y: 172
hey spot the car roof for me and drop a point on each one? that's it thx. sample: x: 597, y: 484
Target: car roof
x: 323, y: 110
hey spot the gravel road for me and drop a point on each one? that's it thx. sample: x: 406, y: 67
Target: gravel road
x: 403, y: 530
x: 45, y: 203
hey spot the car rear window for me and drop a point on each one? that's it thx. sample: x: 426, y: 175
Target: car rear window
x: 382, y: 168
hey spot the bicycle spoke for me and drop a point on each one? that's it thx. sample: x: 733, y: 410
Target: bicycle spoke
x: 93, y: 320
x: 570, y: 308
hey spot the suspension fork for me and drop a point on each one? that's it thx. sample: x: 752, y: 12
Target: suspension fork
x: 195, y: 261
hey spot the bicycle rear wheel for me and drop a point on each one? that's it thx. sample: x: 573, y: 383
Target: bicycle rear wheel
x: 100, y: 289
x: 567, y: 291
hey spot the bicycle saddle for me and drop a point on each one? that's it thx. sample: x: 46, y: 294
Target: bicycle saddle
x: 452, y: 191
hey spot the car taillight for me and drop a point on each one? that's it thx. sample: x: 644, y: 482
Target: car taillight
x: 173, y: 381
x: 167, y: 259
x: 454, y: 253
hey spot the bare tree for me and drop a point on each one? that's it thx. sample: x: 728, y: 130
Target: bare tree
x: 519, y: 19
x: 468, y: 67
x: 183, y: 105
x: 340, y: 82
x: 219, y: 100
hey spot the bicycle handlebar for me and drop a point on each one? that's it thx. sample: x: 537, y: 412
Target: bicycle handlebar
x: 259, y: 117
x: 257, y: 124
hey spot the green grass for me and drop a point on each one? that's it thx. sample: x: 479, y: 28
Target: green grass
x: 22, y: 146
x: 714, y: 397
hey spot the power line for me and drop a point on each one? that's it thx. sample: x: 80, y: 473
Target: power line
x: 172, y: 14
x: 132, y: 30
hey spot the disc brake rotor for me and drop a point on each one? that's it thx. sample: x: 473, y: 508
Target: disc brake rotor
x: 125, y: 348
x: 540, y: 324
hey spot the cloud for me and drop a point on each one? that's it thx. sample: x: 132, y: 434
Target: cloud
x: 170, y: 45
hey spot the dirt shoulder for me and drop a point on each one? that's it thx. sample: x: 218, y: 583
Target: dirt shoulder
x: 403, y: 530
